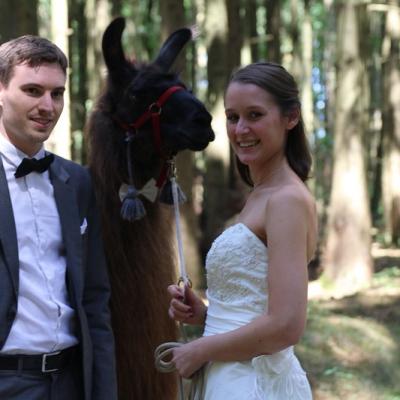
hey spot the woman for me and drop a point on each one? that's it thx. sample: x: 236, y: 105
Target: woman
x: 257, y: 268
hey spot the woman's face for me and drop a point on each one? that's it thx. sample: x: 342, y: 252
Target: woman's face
x: 256, y: 127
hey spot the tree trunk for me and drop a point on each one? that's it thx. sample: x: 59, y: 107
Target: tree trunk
x: 60, y: 140
x: 251, y: 29
x: 306, y: 81
x: 98, y: 16
x: 220, y: 203
x: 391, y: 125
x: 273, y: 30
x: 347, y: 258
x: 18, y: 18
x: 78, y: 79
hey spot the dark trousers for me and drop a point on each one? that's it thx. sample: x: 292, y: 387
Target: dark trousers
x: 65, y: 384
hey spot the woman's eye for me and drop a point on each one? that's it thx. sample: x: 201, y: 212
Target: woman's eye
x: 231, y: 118
x: 255, y: 115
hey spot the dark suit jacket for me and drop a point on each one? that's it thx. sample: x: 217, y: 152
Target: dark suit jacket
x: 87, y: 279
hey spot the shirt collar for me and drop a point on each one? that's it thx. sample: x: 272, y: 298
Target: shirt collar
x: 13, y: 155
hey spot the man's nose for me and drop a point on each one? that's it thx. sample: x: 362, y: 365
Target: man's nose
x: 46, y: 102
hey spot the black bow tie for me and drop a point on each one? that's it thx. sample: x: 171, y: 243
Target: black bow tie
x: 29, y: 165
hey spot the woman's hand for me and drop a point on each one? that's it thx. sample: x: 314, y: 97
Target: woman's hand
x: 188, y: 358
x: 185, y: 306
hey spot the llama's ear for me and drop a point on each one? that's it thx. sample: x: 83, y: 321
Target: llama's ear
x: 114, y: 57
x: 171, y: 48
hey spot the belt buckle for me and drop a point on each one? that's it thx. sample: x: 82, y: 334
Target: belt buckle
x: 44, y: 362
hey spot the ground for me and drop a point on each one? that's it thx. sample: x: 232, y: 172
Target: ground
x: 351, y: 348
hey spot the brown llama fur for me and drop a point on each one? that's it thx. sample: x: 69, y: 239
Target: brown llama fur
x: 140, y: 254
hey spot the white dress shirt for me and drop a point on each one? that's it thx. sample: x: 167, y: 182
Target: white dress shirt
x: 45, y: 319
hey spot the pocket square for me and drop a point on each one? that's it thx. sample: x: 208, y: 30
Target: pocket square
x: 83, y: 226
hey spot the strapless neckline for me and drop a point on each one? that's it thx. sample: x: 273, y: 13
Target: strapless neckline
x: 250, y: 231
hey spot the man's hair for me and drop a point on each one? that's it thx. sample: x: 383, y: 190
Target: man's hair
x: 31, y: 50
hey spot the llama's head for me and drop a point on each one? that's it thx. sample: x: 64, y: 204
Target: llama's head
x: 144, y: 118
x: 139, y: 93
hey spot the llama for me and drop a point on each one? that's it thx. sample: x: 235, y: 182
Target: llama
x: 140, y: 253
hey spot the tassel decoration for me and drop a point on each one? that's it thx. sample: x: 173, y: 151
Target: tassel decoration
x: 132, y: 207
x: 166, y: 195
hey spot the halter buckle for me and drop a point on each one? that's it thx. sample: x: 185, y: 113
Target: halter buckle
x: 155, y: 108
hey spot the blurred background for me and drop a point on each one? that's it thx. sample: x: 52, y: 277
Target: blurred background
x: 345, y: 56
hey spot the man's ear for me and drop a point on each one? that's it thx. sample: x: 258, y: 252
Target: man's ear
x: 293, y: 117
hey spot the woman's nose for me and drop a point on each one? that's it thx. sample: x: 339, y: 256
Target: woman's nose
x: 241, y: 127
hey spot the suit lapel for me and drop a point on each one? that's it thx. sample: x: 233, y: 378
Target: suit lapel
x: 67, y: 206
x: 8, y: 233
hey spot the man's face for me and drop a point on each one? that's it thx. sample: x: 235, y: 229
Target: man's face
x: 31, y: 104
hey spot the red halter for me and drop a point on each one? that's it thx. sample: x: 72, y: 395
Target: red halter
x: 153, y: 111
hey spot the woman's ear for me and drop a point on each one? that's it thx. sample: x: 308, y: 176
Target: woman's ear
x: 293, y: 118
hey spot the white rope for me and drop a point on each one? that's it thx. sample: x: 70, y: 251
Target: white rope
x: 182, y: 265
x: 166, y: 349
x: 196, y: 387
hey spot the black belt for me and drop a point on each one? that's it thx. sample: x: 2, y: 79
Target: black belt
x: 49, y: 362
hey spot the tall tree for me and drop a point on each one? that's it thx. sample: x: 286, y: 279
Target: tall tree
x: 273, y: 30
x: 78, y: 78
x: 306, y: 82
x: 98, y: 15
x: 347, y: 258
x: 251, y: 28
x: 60, y: 140
x: 217, y: 153
x: 391, y: 124
x: 224, y: 42
x: 18, y: 18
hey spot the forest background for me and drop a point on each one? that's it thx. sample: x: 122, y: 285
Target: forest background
x: 345, y: 56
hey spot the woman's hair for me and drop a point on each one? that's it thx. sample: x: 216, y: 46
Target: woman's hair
x: 275, y: 80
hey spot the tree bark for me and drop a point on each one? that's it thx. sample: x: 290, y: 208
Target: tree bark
x: 306, y: 81
x: 251, y: 29
x: 347, y: 258
x: 273, y: 30
x: 18, y: 18
x: 60, y: 140
x: 391, y: 125
x: 78, y: 79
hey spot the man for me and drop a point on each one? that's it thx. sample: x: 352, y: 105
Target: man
x: 55, y: 335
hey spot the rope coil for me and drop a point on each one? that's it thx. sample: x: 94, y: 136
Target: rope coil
x: 197, y: 379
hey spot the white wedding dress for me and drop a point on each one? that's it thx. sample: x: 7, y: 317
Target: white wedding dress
x: 237, y: 267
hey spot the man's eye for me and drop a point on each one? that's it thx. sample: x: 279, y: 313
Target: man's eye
x: 58, y: 95
x: 32, y: 91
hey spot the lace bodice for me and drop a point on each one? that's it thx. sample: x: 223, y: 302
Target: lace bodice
x: 237, y: 266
